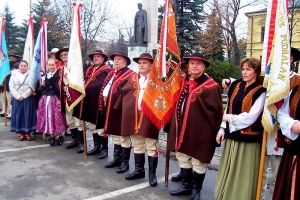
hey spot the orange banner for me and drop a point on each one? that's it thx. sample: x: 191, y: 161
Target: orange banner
x: 163, y: 88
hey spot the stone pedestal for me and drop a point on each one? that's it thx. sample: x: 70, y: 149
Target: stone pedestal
x: 135, y: 51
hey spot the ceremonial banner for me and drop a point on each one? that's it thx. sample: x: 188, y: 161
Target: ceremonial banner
x: 44, y: 47
x: 74, y: 71
x: 29, y: 43
x: 39, y: 59
x: 4, y: 63
x: 164, y: 81
x: 269, y: 34
x: 278, y: 69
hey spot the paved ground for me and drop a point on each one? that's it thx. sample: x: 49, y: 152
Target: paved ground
x: 34, y: 170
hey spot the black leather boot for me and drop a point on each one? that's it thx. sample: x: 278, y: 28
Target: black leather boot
x: 75, y: 143
x: 187, y: 183
x: 104, y: 147
x: 80, y: 148
x: 60, y: 140
x: 125, y: 160
x: 176, y: 177
x: 152, y: 161
x: 197, y: 185
x: 117, y: 161
x: 139, y: 171
x: 52, y: 141
x: 97, y: 145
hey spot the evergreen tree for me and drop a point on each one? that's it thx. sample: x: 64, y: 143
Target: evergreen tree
x: 11, y: 30
x: 37, y: 16
x: 37, y: 19
x: 220, y: 69
x: 56, y: 34
x: 188, y: 19
x: 38, y: 12
x: 22, y: 36
x: 212, y: 39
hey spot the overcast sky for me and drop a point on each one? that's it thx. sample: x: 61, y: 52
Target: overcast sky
x: 125, y: 8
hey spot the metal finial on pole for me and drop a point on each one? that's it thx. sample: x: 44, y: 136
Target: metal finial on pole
x: 30, y: 9
x: 3, y: 23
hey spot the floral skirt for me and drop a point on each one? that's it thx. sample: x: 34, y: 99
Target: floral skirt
x: 50, y: 120
x: 23, y: 116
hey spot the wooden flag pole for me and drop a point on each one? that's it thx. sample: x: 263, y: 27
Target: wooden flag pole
x: 4, y: 85
x: 84, y: 139
x: 167, y: 168
x: 5, y: 103
x: 261, y: 165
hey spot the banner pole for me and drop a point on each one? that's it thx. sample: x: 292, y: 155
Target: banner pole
x: 167, y: 167
x: 84, y: 139
x: 261, y: 165
x: 5, y: 103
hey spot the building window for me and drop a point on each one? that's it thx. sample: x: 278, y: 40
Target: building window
x: 262, y: 33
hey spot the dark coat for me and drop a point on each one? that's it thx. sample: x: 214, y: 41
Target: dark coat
x: 87, y: 109
x: 132, y: 123
x: 200, y: 122
x: 113, y: 119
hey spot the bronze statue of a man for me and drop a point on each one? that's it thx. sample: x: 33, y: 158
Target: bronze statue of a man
x: 140, y: 26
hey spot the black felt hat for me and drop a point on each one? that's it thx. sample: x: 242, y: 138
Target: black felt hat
x: 98, y: 52
x: 144, y: 56
x: 112, y: 56
x: 57, y: 55
x: 197, y: 56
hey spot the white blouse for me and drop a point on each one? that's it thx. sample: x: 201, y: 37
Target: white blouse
x: 50, y: 74
x: 107, y: 87
x: 245, y: 119
x: 143, y: 81
x: 16, y: 79
x: 285, y: 120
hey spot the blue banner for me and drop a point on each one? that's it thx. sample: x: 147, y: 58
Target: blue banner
x: 35, y: 73
x: 4, y: 63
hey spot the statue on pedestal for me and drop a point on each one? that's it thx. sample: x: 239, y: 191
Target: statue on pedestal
x: 140, y: 26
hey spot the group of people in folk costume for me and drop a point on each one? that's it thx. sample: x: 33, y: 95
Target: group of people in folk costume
x: 112, y: 106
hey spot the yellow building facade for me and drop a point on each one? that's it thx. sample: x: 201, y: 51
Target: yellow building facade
x: 256, y: 29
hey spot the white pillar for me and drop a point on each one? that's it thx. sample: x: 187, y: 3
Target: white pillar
x: 151, y: 6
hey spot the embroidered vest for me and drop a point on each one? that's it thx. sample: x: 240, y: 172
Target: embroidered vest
x: 241, y: 100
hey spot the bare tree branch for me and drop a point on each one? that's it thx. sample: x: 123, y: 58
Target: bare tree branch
x: 95, y: 15
x: 228, y: 11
